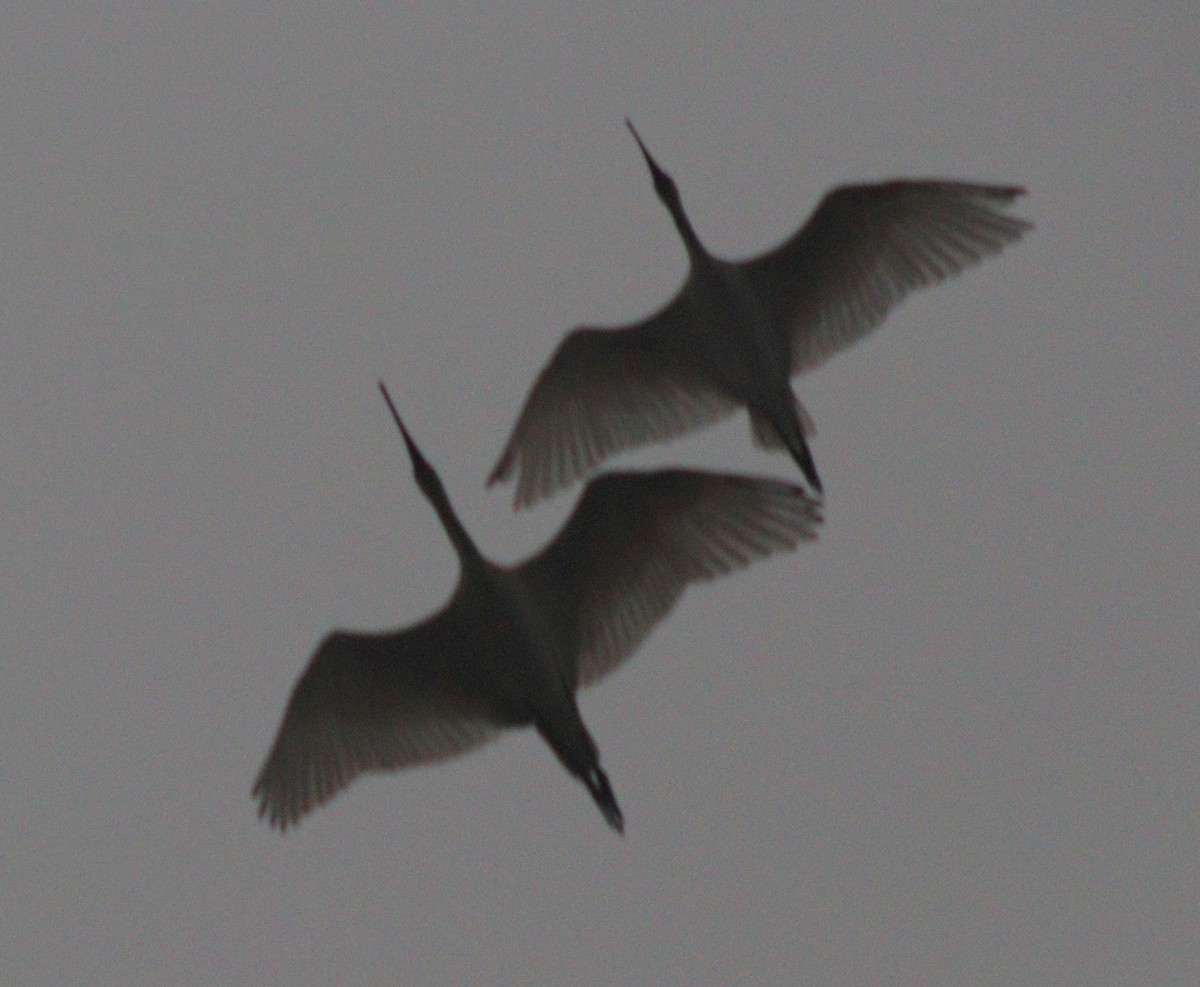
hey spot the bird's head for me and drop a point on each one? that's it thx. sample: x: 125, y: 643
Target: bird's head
x: 427, y: 479
x: 664, y: 184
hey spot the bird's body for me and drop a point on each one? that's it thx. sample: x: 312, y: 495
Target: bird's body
x: 514, y: 644
x: 740, y: 350
x: 736, y: 332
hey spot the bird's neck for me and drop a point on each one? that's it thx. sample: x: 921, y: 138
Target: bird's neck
x: 468, y: 554
x: 695, y: 248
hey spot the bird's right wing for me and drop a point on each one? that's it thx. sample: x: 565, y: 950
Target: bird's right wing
x: 606, y: 390
x: 367, y: 702
x: 637, y: 540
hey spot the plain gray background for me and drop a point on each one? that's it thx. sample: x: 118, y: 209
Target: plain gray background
x: 953, y: 742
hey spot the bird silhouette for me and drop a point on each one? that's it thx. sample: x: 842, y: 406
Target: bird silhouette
x: 737, y: 331
x: 514, y: 644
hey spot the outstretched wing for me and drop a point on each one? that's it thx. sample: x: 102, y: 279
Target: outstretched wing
x: 866, y: 247
x: 606, y: 390
x: 368, y: 702
x: 637, y: 540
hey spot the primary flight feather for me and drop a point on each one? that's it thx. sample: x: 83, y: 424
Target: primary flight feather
x: 737, y: 331
x: 514, y: 644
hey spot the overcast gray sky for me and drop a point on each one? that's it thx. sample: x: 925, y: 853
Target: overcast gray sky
x: 954, y: 741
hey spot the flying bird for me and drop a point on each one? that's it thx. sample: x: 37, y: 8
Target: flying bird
x: 736, y: 332
x: 514, y: 644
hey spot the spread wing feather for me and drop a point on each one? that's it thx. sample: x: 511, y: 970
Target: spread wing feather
x: 637, y: 540
x: 867, y: 247
x: 603, y: 391
x: 368, y: 702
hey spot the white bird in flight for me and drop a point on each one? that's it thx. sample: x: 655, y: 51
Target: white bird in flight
x: 737, y: 331
x: 513, y: 645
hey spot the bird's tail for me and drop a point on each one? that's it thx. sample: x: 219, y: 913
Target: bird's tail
x: 791, y: 435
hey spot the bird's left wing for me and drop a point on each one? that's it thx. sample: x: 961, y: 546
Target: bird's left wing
x: 637, y: 540
x: 866, y: 247
x: 368, y: 702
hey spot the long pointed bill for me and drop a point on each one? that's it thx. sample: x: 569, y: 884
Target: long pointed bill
x: 413, y: 452
x: 655, y: 170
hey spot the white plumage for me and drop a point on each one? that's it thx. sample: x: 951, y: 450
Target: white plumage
x: 736, y: 332
x: 513, y: 644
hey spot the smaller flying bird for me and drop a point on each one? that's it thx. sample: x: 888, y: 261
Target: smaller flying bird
x: 736, y: 332
x: 514, y: 644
